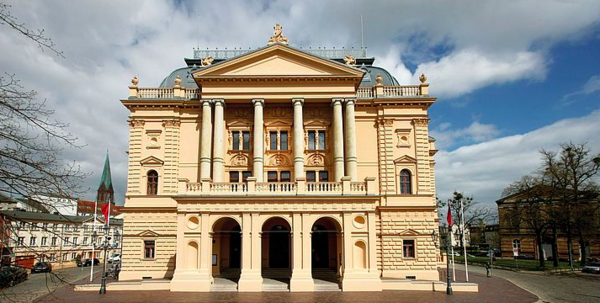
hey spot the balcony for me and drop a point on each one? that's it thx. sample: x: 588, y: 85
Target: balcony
x: 182, y: 93
x: 296, y: 188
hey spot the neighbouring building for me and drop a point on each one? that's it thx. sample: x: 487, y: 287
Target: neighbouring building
x: 280, y: 162
x: 515, y: 235
x: 58, y: 230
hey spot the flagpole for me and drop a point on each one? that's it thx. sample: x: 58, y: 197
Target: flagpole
x: 92, y: 240
x: 464, y: 240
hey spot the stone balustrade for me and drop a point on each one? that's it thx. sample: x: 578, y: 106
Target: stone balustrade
x: 194, y: 93
x: 300, y: 187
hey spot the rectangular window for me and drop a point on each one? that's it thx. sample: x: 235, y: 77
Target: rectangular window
x: 66, y: 241
x: 273, y: 140
x: 45, y: 226
x: 246, y: 136
x: 311, y: 176
x: 21, y: 241
x: 408, y: 248
x: 53, y: 241
x: 65, y: 256
x: 323, y: 176
x: 32, y: 241
x: 234, y: 176
x: 236, y: 140
x: 321, y: 140
x: 246, y: 175
x: 73, y: 256
x: 272, y: 176
x: 52, y: 257
x: 85, y: 240
x: 283, y: 136
x: 75, y: 240
x: 149, y: 249
x: 34, y: 226
x: 311, y: 140
x: 285, y: 176
x: 44, y: 241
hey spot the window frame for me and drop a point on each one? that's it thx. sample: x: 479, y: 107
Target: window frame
x: 411, y: 244
x: 405, y: 182
x: 152, y: 182
x: 146, y: 246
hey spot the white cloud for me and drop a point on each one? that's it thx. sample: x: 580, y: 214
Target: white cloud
x: 486, y: 168
x: 591, y: 86
x: 108, y: 42
x: 476, y: 132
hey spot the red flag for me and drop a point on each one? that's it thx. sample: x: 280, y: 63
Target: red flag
x: 449, y: 216
x: 106, y: 212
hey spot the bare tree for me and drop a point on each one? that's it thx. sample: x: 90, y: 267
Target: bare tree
x: 31, y: 141
x: 571, y: 171
x: 474, y: 213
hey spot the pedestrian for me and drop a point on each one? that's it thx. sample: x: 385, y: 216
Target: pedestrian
x: 488, y: 269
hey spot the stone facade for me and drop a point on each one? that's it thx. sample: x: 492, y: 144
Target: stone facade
x: 280, y: 163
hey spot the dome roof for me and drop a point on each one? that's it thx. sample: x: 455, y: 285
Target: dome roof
x: 186, y: 78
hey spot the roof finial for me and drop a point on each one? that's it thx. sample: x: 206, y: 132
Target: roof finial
x: 135, y: 81
x: 278, y: 35
x: 423, y: 78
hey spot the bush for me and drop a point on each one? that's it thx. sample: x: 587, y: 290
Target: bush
x: 11, y: 275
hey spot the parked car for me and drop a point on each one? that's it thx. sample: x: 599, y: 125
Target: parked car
x: 115, y: 258
x: 12, y: 275
x: 87, y: 262
x: 41, y: 267
x: 593, y: 268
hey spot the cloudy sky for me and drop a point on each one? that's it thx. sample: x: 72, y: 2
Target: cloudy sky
x: 512, y: 77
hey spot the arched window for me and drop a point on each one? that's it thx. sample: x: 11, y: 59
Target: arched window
x: 405, y: 182
x: 152, y: 183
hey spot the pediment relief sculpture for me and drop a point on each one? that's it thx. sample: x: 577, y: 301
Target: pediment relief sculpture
x: 279, y: 160
x: 316, y: 160
x: 239, y: 160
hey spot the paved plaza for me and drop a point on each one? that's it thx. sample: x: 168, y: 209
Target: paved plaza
x: 491, y: 290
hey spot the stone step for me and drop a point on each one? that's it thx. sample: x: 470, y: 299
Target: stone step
x: 322, y: 285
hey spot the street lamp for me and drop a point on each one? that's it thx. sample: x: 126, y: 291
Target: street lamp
x: 448, y: 280
x: 434, y: 238
x: 104, y: 246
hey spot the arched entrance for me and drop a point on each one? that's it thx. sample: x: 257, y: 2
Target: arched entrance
x: 276, y: 249
x: 227, y: 249
x: 326, y: 248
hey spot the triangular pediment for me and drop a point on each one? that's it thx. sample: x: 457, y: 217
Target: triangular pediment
x: 148, y: 233
x: 405, y: 159
x: 409, y: 232
x: 152, y: 161
x: 278, y: 60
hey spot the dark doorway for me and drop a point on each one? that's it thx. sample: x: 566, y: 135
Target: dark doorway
x: 279, y: 247
x: 320, y: 247
x: 235, y: 248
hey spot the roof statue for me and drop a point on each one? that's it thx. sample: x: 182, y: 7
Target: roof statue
x: 278, y: 35
x: 350, y: 60
x: 206, y: 61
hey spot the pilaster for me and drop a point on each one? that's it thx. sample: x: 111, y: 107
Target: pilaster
x: 136, y: 129
x: 171, y: 164
x: 250, y: 277
x: 422, y: 155
x: 301, y: 280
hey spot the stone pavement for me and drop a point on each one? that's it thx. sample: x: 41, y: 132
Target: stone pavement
x: 490, y: 290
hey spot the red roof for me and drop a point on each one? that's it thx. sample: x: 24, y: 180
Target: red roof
x: 87, y: 207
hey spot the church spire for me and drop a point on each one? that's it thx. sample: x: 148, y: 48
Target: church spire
x: 105, y: 190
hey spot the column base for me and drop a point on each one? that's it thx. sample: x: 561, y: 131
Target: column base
x: 190, y: 282
x: 250, y: 282
x: 302, y: 282
x: 357, y: 281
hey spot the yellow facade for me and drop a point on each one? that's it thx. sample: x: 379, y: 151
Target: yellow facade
x: 280, y: 163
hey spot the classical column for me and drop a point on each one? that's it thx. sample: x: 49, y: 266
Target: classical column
x: 338, y: 140
x: 351, y: 161
x: 298, y: 138
x: 206, y: 140
x: 218, y: 148
x: 258, y: 139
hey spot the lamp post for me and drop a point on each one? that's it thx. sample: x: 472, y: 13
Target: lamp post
x: 448, y: 243
x: 104, y: 246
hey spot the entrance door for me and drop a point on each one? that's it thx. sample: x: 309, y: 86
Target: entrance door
x: 320, y: 247
x: 279, y: 247
x: 235, y: 248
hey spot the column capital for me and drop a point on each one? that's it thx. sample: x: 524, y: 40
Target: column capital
x: 206, y: 102
x: 335, y: 101
x: 298, y: 101
x: 258, y: 102
x: 218, y: 102
x: 351, y: 101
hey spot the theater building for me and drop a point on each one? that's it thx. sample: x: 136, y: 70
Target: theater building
x: 298, y: 164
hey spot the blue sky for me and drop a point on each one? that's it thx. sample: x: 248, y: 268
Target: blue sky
x: 511, y: 77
